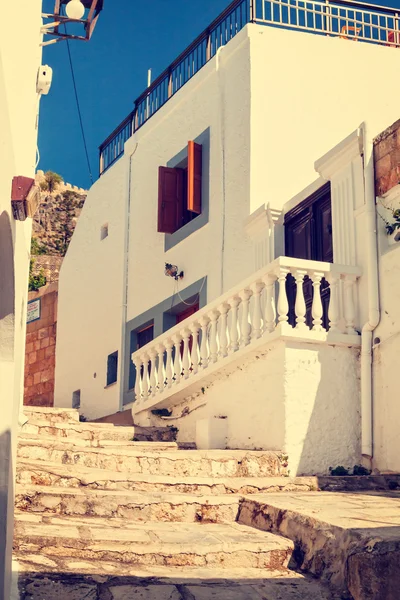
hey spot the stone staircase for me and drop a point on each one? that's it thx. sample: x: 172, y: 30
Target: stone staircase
x: 102, y: 517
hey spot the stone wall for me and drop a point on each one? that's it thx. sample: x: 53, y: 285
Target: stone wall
x: 387, y: 159
x: 40, y: 354
x: 51, y: 266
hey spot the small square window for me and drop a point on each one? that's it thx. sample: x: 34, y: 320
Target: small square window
x: 104, y: 231
x: 76, y: 399
x: 112, y: 368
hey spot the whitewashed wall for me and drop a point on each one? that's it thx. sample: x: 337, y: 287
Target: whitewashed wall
x: 274, y: 102
x: 90, y: 301
x: 288, y: 398
x: 20, y: 58
x: 386, y: 352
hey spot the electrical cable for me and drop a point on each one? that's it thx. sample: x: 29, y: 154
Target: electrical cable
x: 78, y: 107
x: 197, y: 295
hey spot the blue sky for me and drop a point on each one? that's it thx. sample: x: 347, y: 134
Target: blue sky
x: 111, y: 71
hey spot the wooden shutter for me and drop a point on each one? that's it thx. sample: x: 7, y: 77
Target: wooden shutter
x: 170, y: 199
x: 194, y: 177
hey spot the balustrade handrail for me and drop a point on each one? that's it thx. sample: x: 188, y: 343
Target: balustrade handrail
x: 250, y: 312
x: 282, y: 261
x: 344, y: 18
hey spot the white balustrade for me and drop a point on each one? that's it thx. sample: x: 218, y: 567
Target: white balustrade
x: 244, y: 317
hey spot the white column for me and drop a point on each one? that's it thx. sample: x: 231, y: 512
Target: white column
x: 245, y: 327
x: 270, y: 310
x: 186, y: 363
x: 213, y: 315
x: 349, y: 304
x: 169, y: 375
x: 160, y: 369
x: 333, y: 311
x: 177, y: 358
x: 204, y: 353
x: 283, y: 305
x: 194, y: 328
x: 145, y: 380
x: 317, y: 310
x: 153, y: 381
x: 223, y: 333
x: 137, y: 361
x: 300, y: 305
x: 234, y: 331
x: 257, y: 288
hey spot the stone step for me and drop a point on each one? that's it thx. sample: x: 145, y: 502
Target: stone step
x: 347, y: 539
x: 133, y: 506
x: 28, y: 439
x: 67, y: 579
x: 144, y: 544
x: 78, y: 431
x: 206, y: 463
x: 51, y: 415
x: 74, y: 476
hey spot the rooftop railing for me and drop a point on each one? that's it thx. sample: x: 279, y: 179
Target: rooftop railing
x: 348, y: 20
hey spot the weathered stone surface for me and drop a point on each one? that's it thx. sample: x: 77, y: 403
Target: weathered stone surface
x: 49, y: 589
x: 51, y: 415
x: 78, y: 431
x: 52, y: 474
x: 334, y: 533
x: 131, y: 506
x: 373, y: 572
x: 214, y: 463
x: 150, y: 592
x: 29, y: 439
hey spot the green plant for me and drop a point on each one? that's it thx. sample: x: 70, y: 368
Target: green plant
x: 35, y: 281
x: 360, y: 470
x: 51, y: 181
x: 392, y: 226
x: 37, y: 248
x: 339, y: 471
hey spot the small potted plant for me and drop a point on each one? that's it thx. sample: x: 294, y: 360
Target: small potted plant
x: 393, y: 228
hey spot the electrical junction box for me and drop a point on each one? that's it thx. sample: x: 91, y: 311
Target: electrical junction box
x: 44, y: 79
x: 25, y: 197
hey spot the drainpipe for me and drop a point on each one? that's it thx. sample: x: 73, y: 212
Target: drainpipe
x: 373, y: 302
x: 222, y: 134
x: 121, y: 368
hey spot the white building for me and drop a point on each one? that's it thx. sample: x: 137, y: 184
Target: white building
x: 249, y: 174
x: 20, y: 58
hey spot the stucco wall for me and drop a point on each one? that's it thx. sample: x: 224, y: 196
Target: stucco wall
x: 385, y: 366
x: 20, y: 57
x: 91, y: 299
x: 289, y: 398
x: 267, y: 125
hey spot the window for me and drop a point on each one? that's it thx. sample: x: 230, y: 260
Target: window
x: 144, y: 336
x: 112, y: 368
x: 308, y: 234
x: 76, y: 399
x: 104, y: 231
x: 179, y: 192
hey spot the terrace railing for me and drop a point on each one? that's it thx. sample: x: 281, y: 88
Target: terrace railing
x: 348, y: 20
x: 244, y: 319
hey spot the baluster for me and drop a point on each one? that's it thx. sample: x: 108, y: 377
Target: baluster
x: 300, y: 305
x: 223, y: 330
x: 317, y: 310
x: 194, y: 328
x: 213, y: 336
x: 186, y: 353
x: 270, y: 311
x: 245, y: 327
x: 333, y: 311
x: 257, y: 288
x: 137, y: 361
x: 153, y: 380
x: 204, y: 352
x: 234, y: 332
x: 169, y: 374
x: 283, y: 305
x: 177, y: 358
x: 145, y: 379
x: 160, y: 368
x: 349, y: 306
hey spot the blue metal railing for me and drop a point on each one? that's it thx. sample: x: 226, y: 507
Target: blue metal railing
x: 350, y: 20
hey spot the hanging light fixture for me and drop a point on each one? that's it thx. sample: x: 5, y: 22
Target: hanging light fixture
x: 81, y: 12
x: 75, y: 9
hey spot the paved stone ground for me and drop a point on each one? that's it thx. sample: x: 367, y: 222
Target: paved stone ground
x: 176, y: 584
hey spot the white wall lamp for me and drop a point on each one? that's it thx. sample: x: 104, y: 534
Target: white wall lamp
x: 82, y: 12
